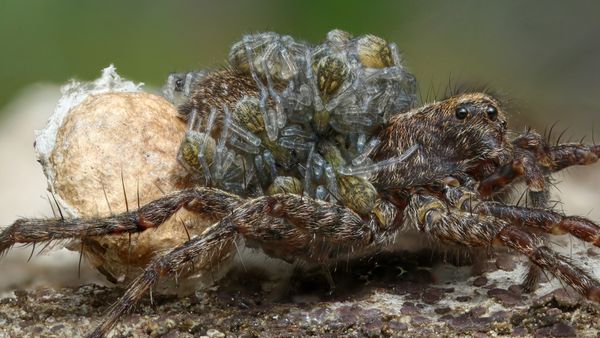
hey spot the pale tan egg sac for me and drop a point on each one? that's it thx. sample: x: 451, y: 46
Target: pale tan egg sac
x: 114, y: 144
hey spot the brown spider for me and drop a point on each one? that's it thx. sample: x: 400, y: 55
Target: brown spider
x: 437, y: 171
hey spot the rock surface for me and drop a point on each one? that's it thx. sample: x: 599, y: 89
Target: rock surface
x: 381, y: 301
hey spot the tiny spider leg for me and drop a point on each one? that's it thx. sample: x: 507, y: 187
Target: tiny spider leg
x: 445, y: 222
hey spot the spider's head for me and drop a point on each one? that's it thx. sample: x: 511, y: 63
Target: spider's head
x: 474, y: 126
x: 467, y: 130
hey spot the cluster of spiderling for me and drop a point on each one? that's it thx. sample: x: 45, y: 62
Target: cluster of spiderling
x: 312, y: 126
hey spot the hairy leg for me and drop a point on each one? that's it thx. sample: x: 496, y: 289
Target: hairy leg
x: 200, y: 200
x: 289, y: 227
x: 206, y: 250
x: 548, y: 221
x: 445, y: 222
x: 534, y: 159
x: 537, y: 218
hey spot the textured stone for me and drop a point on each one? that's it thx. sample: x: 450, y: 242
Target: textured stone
x: 505, y: 297
x: 562, y: 329
x: 432, y: 295
x: 480, y: 281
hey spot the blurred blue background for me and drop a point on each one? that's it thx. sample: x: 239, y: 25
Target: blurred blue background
x: 543, y: 55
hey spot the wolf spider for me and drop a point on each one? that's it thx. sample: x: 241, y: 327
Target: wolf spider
x: 456, y: 161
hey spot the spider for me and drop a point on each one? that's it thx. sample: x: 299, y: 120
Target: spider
x: 315, y: 154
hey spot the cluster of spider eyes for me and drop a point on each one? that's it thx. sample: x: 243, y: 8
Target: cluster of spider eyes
x: 462, y: 112
x: 312, y: 126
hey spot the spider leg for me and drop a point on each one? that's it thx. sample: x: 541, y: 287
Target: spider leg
x: 201, y: 200
x: 534, y: 159
x: 548, y: 221
x: 503, y: 176
x: 566, y: 155
x: 533, y: 247
x: 286, y: 226
x: 538, y: 218
x: 445, y: 222
x: 213, y: 246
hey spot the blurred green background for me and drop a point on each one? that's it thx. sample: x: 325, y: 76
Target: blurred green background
x: 545, y: 56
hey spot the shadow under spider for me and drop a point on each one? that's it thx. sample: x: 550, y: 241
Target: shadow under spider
x: 353, y: 280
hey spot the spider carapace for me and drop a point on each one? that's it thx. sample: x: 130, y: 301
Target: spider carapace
x: 317, y: 152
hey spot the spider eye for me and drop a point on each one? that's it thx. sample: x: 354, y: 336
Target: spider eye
x: 179, y: 85
x: 492, y: 112
x: 461, y: 113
